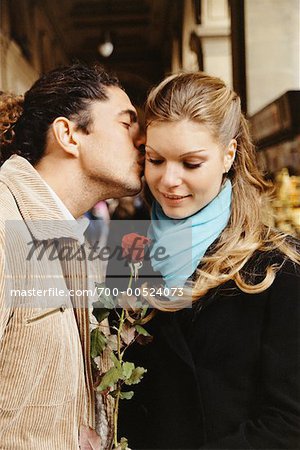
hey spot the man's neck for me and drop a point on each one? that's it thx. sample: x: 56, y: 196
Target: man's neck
x: 68, y: 185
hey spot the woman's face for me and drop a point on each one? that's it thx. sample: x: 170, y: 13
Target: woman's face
x: 184, y: 166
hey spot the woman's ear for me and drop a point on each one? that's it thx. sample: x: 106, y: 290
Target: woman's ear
x: 66, y: 135
x: 229, y: 155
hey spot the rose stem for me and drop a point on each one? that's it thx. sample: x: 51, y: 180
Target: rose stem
x: 116, y: 408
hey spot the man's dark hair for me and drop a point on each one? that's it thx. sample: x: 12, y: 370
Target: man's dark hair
x: 66, y: 91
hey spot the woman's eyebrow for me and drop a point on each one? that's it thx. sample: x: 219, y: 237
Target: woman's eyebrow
x: 193, y: 152
x: 150, y: 148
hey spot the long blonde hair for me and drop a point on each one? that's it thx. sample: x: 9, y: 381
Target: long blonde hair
x: 205, y: 99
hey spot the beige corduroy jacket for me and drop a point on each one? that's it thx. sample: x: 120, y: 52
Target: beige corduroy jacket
x: 45, y: 376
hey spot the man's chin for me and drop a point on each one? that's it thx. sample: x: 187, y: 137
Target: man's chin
x: 134, y: 189
x: 128, y: 189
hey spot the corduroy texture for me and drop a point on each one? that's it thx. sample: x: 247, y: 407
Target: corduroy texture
x: 46, y: 388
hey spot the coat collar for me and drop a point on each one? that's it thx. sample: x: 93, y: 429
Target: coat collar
x: 40, y: 212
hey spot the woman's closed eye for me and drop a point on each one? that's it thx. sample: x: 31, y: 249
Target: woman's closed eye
x: 154, y: 161
x: 189, y: 165
x: 126, y: 125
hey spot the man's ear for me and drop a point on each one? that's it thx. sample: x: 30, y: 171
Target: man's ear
x: 229, y: 155
x: 66, y: 135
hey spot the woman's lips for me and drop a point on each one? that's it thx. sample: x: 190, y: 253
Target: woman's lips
x: 174, y: 198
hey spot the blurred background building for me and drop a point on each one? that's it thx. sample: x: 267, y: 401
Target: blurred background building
x: 252, y: 44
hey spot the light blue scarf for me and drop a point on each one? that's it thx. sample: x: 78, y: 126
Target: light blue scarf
x: 186, y: 240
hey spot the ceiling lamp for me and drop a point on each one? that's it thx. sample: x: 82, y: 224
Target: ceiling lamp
x: 106, y: 48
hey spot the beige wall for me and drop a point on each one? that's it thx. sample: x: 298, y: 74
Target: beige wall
x: 272, y: 46
x: 17, y: 75
x: 189, y: 58
x: 17, y: 70
x: 272, y: 49
x: 214, y: 33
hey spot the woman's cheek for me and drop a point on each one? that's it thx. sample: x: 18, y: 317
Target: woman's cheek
x: 148, y: 177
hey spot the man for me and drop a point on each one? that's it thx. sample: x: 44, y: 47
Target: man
x: 72, y: 146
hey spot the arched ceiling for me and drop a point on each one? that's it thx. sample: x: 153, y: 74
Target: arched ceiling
x: 141, y: 32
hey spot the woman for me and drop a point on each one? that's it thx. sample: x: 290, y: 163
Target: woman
x: 224, y: 373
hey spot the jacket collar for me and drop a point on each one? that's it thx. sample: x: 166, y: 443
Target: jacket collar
x: 42, y: 215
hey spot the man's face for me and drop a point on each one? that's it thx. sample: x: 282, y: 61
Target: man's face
x: 108, y: 155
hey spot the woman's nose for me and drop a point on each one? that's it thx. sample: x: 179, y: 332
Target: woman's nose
x: 171, y: 176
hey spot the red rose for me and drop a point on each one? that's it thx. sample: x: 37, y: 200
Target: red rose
x: 133, y: 246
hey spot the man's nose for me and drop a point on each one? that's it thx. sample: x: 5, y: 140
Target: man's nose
x: 139, y: 142
x: 138, y: 135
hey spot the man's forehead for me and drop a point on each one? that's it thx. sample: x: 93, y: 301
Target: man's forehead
x: 117, y: 103
x: 119, y: 97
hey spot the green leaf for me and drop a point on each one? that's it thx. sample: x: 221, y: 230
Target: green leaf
x: 141, y: 330
x: 126, y: 395
x: 127, y: 368
x: 109, y: 379
x: 98, y: 342
x: 105, y: 301
x: 144, y: 312
x: 94, y: 365
x: 123, y: 395
x: 99, y: 312
x: 136, y: 376
x: 116, y: 362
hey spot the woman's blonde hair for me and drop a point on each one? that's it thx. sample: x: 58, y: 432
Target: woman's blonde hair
x: 205, y: 99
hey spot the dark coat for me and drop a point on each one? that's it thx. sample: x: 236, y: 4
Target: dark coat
x: 223, y: 374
